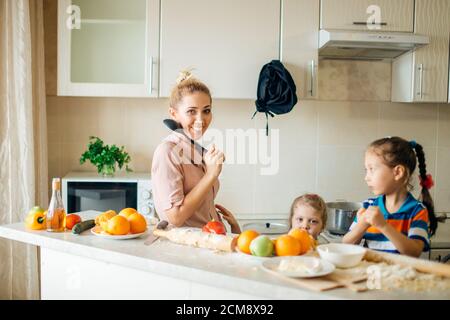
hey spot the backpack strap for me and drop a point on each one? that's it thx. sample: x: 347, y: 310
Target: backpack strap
x: 267, y: 119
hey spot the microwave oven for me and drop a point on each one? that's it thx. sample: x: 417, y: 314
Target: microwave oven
x: 90, y: 191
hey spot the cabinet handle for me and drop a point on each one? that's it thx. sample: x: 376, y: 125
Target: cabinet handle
x: 152, y: 88
x: 361, y: 23
x: 312, y: 78
x: 420, y: 69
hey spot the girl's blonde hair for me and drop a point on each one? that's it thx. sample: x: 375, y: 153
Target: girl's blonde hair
x: 314, y: 201
x: 186, y: 84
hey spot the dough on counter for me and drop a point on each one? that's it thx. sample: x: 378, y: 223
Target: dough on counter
x: 195, y: 237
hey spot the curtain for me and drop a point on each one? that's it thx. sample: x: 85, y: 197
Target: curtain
x: 23, y: 139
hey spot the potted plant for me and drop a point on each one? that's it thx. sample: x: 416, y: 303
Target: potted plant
x: 105, y: 157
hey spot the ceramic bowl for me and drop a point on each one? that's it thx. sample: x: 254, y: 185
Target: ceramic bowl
x: 341, y: 255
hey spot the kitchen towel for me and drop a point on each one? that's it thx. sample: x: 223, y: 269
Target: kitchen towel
x: 276, y: 91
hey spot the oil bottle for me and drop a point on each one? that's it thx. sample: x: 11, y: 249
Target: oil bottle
x: 56, y: 215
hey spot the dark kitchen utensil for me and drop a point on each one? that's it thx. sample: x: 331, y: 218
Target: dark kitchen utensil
x: 175, y: 126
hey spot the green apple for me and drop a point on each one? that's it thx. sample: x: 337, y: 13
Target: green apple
x: 261, y: 246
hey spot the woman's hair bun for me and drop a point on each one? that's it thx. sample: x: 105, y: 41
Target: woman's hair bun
x: 184, y: 75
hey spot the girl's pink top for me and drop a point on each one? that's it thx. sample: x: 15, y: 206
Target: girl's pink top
x: 177, y: 167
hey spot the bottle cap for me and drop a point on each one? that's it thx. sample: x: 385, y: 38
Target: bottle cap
x: 56, y: 184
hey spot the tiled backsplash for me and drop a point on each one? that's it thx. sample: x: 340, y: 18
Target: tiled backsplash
x: 322, y: 144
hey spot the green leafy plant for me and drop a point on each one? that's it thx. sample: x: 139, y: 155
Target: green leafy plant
x: 105, y: 157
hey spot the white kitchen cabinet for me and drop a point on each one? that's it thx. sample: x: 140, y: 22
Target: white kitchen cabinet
x: 108, y: 48
x: 423, y: 75
x: 226, y: 42
x: 299, y: 52
x: 388, y: 15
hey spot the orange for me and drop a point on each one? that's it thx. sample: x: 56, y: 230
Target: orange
x: 118, y: 225
x: 104, y: 217
x: 137, y: 222
x: 305, y: 239
x: 127, y: 212
x: 287, y: 245
x: 244, y: 240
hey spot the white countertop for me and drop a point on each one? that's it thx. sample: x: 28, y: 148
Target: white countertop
x: 232, y: 271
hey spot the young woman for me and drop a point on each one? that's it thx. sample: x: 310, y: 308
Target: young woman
x: 186, y: 179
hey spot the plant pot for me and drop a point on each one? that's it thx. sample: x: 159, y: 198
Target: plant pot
x: 108, y: 170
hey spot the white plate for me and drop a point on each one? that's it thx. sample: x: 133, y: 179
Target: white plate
x: 98, y: 232
x: 272, y: 265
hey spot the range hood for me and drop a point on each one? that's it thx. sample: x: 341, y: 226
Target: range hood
x: 367, y: 45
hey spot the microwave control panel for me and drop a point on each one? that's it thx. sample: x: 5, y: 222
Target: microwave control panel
x: 145, y: 203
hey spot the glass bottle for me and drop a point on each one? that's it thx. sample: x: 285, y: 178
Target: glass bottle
x: 56, y: 215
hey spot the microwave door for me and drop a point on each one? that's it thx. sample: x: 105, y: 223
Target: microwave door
x: 101, y: 199
x: 100, y: 196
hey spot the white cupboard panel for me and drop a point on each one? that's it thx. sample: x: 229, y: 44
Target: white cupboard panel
x: 394, y: 15
x: 108, y: 48
x: 423, y: 75
x: 226, y: 42
x: 300, y: 37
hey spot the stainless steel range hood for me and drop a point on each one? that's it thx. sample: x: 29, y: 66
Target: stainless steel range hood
x: 367, y: 45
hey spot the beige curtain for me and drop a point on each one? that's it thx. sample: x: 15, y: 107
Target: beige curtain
x: 23, y: 139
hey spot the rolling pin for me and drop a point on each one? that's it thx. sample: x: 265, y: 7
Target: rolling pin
x: 421, y: 265
x: 195, y: 237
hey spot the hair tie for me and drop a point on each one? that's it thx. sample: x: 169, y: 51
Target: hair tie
x: 427, y: 183
x: 413, y: 144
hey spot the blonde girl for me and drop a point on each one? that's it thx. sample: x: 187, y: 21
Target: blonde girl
x: 308, y: 212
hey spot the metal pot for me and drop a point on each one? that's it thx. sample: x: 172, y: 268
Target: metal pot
x: 267, y: 227
x: 340, y: 216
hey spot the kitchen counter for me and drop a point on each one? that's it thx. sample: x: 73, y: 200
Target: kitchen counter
x: 89, y: 267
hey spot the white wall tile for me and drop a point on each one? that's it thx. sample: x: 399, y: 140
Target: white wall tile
x: 444, y: 125
x: 410, y: 121
x: 347, y: 123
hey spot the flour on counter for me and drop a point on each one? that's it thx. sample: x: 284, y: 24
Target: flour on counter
x: 389, y: 277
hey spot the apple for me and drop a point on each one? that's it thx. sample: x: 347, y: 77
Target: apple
x: 262, y: 246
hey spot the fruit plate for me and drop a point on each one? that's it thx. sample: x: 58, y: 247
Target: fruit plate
x: 298, y: 266
x: 100, y: 233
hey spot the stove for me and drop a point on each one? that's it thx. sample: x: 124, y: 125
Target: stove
x: 440, y: 242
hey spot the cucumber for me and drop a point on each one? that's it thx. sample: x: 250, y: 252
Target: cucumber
x: 82, y: 226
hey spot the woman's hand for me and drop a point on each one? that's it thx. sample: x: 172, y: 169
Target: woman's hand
x: 228, y: 216
x: 214, y: 159
x: 374, y: 217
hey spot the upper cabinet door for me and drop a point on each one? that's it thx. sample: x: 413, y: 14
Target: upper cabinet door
x: 423, y: 75
x: 300, y: 38
x: 431, y: 61
x: 382, y: 15
x: 108, y: 47
x: 225, y: 42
